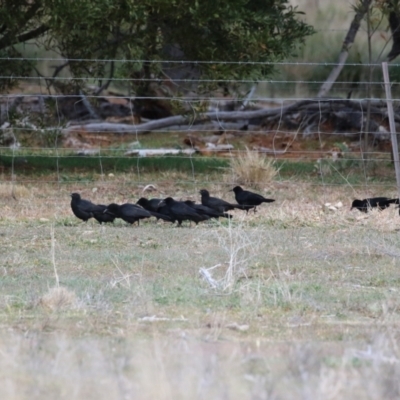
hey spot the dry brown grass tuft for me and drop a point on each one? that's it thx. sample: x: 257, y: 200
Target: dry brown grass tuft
x: 252, y: 169
x: 58, y: 298
x: 8, y: 190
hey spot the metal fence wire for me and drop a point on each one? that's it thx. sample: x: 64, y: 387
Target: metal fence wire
x: 53, y: 120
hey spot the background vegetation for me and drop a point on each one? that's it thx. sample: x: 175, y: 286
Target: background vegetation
x: 84, y: 33
x: 331, y: 21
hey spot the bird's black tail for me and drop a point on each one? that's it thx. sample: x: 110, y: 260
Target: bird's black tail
x: 268, y: 200
x: 393, y: 201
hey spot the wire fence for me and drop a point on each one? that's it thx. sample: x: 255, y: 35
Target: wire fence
x: 63, y: 123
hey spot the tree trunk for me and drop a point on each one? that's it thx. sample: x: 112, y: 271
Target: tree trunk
x: 348, y: 41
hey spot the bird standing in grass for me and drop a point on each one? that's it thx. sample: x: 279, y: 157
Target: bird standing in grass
x: 374, y: 202
x: 180, y: 211
x: 217, y: 204
x: 150, y: 205
x: 157, y: 207
x: 249, y: 199
x: 101, y: 216
x: 85, y: 209
x: 200, y: 209
x: 131, y: 213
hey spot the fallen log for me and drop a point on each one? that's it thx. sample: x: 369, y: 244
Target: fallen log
x: 297, y: 115
x: 176, y: 120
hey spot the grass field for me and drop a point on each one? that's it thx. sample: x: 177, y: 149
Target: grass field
x: 297, y: 301
x: 302, y: 302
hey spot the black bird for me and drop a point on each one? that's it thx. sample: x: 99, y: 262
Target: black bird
x: 204, y: 210
x: 101, y: 216
x: 163, y: 209
x: 85, y: 209
x: 150, y: 205
x: 131, y: 213
x: 180, y: 211
x: 249, y: 199
x: 217, y: 204
x: 156, y: 207
x: 374, y: 202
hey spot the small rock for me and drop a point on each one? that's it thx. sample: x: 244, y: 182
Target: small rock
x: 329, y: 207
x: 149, y: 188
x: 236, y: 327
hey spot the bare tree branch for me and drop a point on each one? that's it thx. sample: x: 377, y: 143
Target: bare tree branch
x: 107, y: 84
x: 348, y: 41
x: 93, y: 114
x: 58, y: 69
x: 7, y: 40
x: 32, y: 34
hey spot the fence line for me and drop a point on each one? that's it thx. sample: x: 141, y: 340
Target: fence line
x: 196, y: 62
x: 325, y: 137
x: 194, y: 80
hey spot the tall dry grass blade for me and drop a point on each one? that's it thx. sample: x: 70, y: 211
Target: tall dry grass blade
x: 53, y: 256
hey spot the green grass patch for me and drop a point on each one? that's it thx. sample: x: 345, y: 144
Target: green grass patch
x: 42, y: 163
x: 343, y: 171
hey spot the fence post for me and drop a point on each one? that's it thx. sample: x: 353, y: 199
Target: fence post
x: 392, y: 124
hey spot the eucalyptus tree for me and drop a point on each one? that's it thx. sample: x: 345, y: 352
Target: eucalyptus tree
x: 215, y: 40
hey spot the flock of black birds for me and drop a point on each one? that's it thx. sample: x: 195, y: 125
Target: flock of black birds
x: 171, y: 210
x: 168, y: 209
